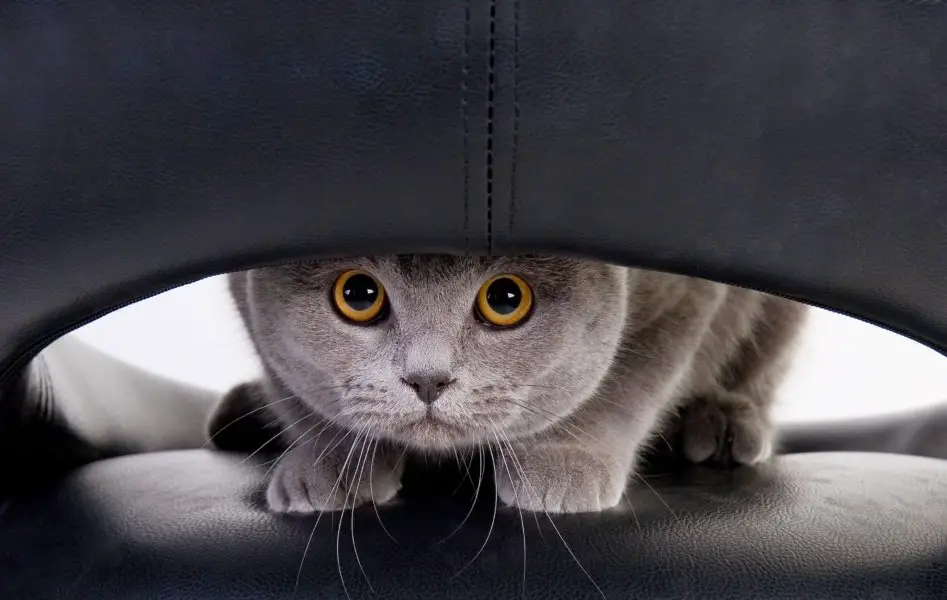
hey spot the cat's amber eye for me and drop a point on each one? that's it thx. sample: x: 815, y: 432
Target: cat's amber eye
x: 504, y: 300
x: 359, y: 297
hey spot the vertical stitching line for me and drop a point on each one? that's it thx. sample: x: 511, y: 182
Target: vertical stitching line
x: 516, y: 112
x: 466, y: 124
x: 491, y: 89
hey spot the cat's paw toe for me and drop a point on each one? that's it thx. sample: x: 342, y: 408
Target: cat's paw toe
x: 726, y: 429
x: 305, y: 492
x: 300, y: 487
x: 563, y: 480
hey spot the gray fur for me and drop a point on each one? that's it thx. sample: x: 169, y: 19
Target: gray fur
x: 610, y: 358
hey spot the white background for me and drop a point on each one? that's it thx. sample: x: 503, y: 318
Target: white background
x: 844, y: 368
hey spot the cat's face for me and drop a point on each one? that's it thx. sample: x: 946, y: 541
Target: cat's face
x: 429, y: 369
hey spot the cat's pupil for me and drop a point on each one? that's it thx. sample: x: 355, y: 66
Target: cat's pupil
x: 504, y: 296
x: 360, y: 292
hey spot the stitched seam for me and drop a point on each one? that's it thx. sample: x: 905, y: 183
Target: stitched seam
x: 466, y: 124
x: 516, y: 112
x: 491, y: 89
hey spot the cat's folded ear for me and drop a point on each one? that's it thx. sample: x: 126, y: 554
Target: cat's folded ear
x: 241, y: 421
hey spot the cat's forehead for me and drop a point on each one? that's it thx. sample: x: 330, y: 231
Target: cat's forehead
x: 441, y: 269
x: 420, y: 268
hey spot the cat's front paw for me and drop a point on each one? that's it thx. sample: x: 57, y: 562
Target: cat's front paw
x: 302, y: 485
x: 559, y: 479
x: 726, y: 428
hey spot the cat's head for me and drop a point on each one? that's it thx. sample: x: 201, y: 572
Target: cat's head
x: 437, y: 351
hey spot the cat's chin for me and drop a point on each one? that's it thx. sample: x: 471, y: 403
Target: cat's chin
x: 436, y: 434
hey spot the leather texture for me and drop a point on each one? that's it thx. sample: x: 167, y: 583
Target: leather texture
x: 190, y: 526
x: 794, y: 147
x: 791, y: 146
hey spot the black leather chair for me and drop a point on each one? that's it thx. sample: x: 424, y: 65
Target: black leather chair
x: 793, y: 147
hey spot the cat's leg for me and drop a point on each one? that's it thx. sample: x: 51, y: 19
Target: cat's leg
x: 324, y: 467
x: 731, y: 421
x: 334, y: 471
x: 558, y: 474
x: 583, y: 464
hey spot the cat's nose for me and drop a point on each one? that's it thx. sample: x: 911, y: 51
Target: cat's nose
x: 428, y: 387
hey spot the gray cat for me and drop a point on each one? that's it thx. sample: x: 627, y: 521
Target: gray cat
x: 565, y: 369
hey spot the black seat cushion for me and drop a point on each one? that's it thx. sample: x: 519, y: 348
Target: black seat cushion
x: 190, y: 525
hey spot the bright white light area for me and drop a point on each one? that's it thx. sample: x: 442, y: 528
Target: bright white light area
x: 845, y: 368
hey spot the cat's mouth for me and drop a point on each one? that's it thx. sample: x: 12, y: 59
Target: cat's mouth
x: 432, y: 419
x: 433, y: 430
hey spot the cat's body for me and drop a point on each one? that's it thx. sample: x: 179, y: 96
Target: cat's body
x: 606, y: 360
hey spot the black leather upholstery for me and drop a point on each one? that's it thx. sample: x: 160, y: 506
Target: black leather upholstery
x: 795, y: 147
x: 188, y: 525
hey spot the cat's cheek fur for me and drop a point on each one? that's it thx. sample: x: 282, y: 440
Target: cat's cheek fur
x: 340, y: 479
x: 560, y: 479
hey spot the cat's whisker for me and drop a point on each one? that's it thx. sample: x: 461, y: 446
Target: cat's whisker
x: 330, y: 447
x: 258, y: 409
x: 628, y: 351
x: 345, y: 501
x: 459, y: 458
x: 283, y: 431
x: 278, y: 434
x: 272, y: 463
x: 296, y: 441
x: 244, y: 416
x: 457, y: 462
x: 371, y: 490
x: 467, y: 469
x: 472, y: 504
x: 545, y: 387
x: 404, y: 452
x: 360, y: 470
x: 326, y: 449
x: 658, y: 496
x: 489, y: 531
x: 516, y: 499
x: 319, y: 518
x: 556, y: 420
x: 546, y: 414
x: 272, y: 422
x: 520, y: 470
x: 269, y: 463
x: 628, y: 502
x: 551, y: 521
x: 338, y: 533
